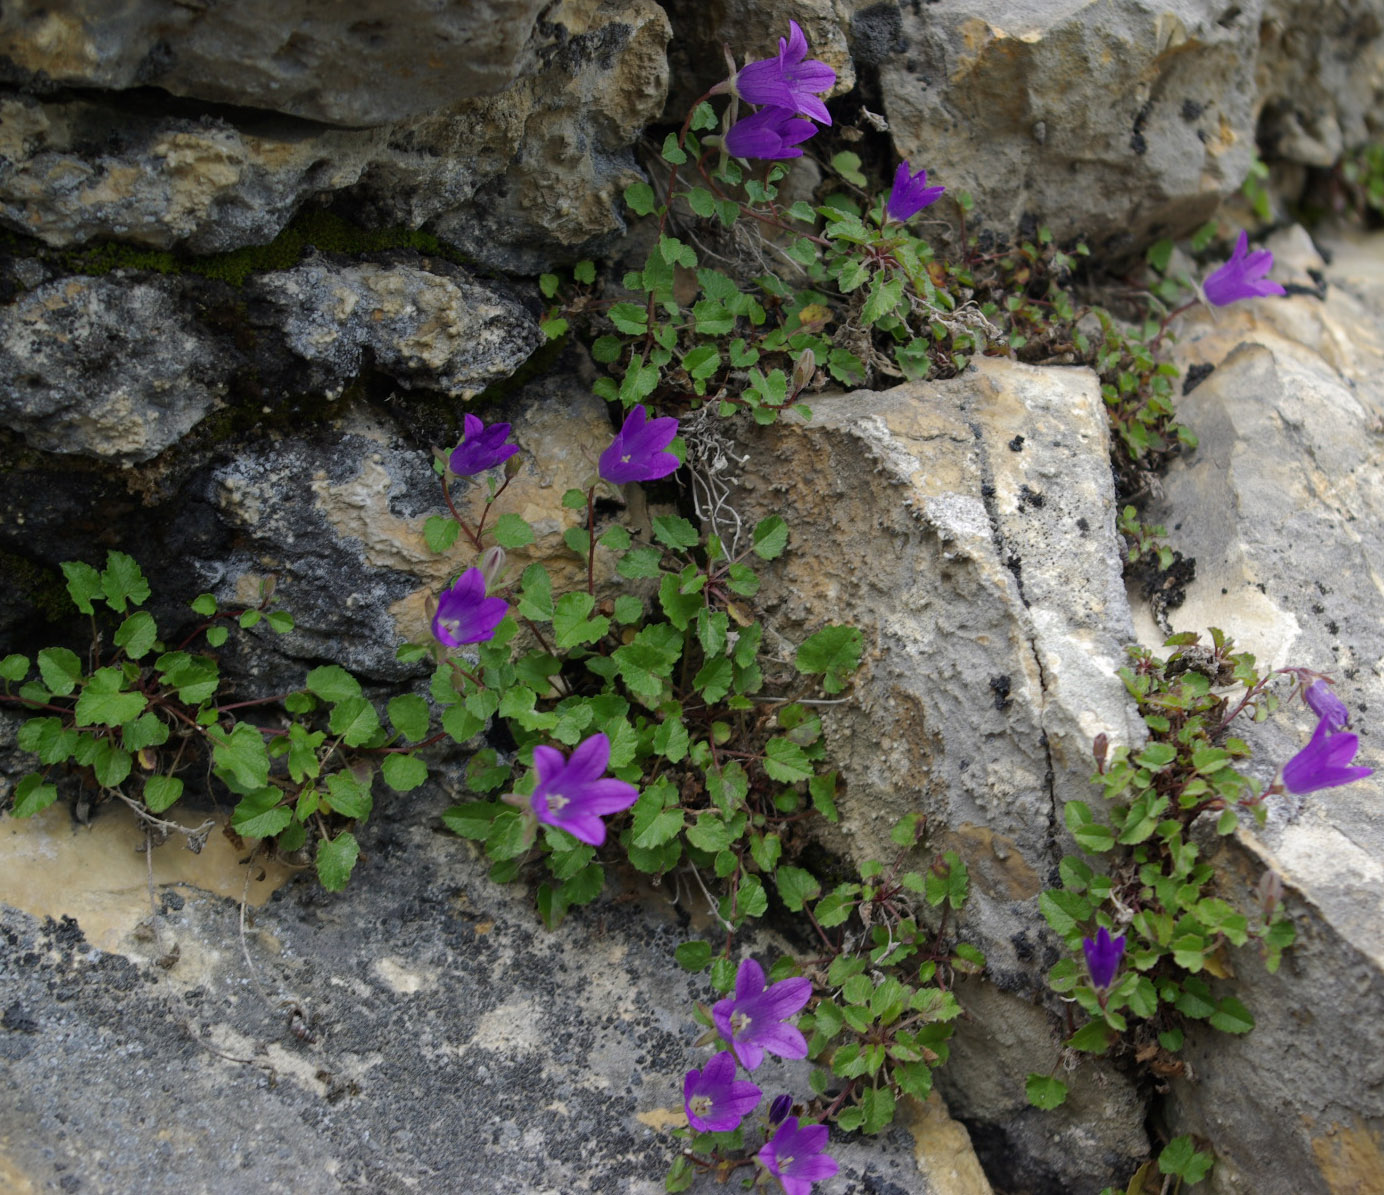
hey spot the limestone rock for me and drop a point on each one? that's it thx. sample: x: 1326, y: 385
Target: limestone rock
x: 73, y: 171
x: 114, y: 367
x: 1115, y: 122
x: 359, y: 64
x: 516, y: 177
x: 1283, y: 508
x: 433, y: 327
x: 419, y: 1031
x: 967, y: 528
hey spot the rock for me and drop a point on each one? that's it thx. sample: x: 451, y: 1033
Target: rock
x: 420, y: 1030
x: 516, y: 176
x: 77, y: 170
x: 1321, y: 82
x: 368, y: 64
x: 337, y: 518
x: 1116, y: 123
x: 433, y: 327
x: 967, y: 528
x: 114, y: 367
x: 1282, y: 507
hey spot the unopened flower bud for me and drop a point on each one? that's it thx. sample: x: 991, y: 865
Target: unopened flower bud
x: 803, y: 369
x: 780, y: 1108
x: 1098, y: 749
x: 492, y: 565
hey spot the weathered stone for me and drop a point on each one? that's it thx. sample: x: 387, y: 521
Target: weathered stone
x: 1283, y: 507
x: 114, y: 367
x: 338, y: 520
x: 420, y: 1031
x: 1321, y: 82
x: 1115, y: 122
x: 434, y: 327
x: 515, y: 179
x: 359, y: 64
x: 72, y: 171
x: 967, y: 528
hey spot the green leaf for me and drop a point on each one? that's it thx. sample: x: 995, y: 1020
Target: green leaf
x: 335, y: 861
x: 693, y: 956
x: 248, y: 619
x: 1181, y: 1157
x: 333, y: 683
x: 640, y: 199
x: 104, y: 702
x: 629, y: 318
x: 785, y: 761
x: 216, y: 636
x: 160, y: 792
x: 847, y: 165
x: 512, y: 531
x: 1232, y: 1017
x: 122, y: 581
x: 536, y: 594
x: 349, y: 794
x: 1045, y: 1092
x: 584, y: 272
x: 571, y: 626
x: 241, y: 753
x: 148, y: 730
x: 260, y: 814
x: 60, y: 668
x: 639, y: 563
x: 137, y: 634
x: 878, y: 1106
x: 832, y: 651
x: 280, y: 621
x: 675, y: 531
x: 796, y: 886
x: 1093, y: 1037
x: 472, y: 820
x: 884, y: 297
x: 31, y: 795
x: 403, y: 773
x: 49, y: 739
x: 1063, y: 910
x: 83, y: 584
x: 770, y: 538
x: 355, y: 720
x: 409, y: 714
x: 14, y: 667
x: 440, y: 533
x: 204, y: 604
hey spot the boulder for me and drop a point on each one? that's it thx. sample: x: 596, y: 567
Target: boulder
x: 1113, y: 122
x: 967, y: 527
x: 115, y: 367
x: 1281, y: 507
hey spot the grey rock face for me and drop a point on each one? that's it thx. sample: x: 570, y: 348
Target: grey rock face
x: 112, y: 367
x: 1104, y: 120
x: 515, y: 176
x: 1282, y: 508
x: 72, y: 171
x: 357, y: 64
x: 967, y: 528
x: 446, y: 1042
x: 431, y: 327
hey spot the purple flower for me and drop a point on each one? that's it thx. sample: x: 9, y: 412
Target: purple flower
x: 1244, y: 276
x: 465, y: 614
x: 1103, y: 957
x: 910, y: 194
x: 794, y: 1156
x: 771, y: 133
x: 1323, y: 762
x: 481, y: 448
x: 1327, y: 706
x: 787, y: 81
x: 572, y: 794
x: 752, y: 1020
x: 637, y: 452
x: 714, y: 1099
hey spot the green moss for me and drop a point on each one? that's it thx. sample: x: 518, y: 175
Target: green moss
x: 314, y: 228
x: 40, y: 588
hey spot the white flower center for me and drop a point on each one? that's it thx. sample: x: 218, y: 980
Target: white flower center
x: 739, y: 1022
x: 557, y: 801
x: 700, y: 1105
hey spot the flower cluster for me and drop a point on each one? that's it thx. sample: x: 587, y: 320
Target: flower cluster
x: 754, y: 1022
x: 1324, y: 762
x: 786, y: 89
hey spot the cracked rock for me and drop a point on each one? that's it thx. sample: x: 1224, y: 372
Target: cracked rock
x: 987, y: 584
